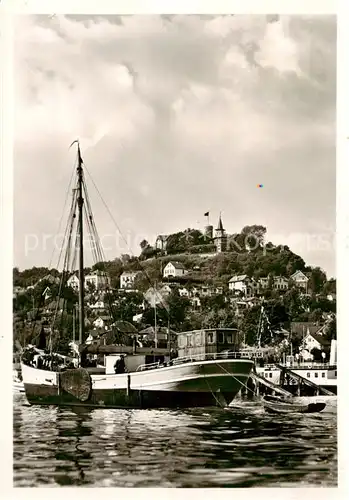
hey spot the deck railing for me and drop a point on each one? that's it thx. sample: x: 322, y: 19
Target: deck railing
x: 195, y: 357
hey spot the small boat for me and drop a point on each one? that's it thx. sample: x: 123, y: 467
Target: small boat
x: 274, y: 404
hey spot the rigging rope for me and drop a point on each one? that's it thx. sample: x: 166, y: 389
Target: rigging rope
x: 65, y: 203
x: 142, y: 268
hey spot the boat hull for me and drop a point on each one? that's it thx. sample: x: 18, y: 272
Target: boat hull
x: 275, y: 405
x: 195, y: 384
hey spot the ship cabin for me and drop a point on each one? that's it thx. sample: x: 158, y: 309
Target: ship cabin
x: 208, y: 341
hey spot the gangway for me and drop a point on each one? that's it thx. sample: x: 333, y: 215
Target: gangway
x: 300, y: 379
x: 262, y: 381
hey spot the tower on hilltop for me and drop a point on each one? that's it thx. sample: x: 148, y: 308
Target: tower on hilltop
x: 220, y: 238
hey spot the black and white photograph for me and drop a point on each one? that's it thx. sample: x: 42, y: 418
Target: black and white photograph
x: 174, y: 261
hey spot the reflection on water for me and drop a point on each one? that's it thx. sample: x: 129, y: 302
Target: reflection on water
x: 241, y: 447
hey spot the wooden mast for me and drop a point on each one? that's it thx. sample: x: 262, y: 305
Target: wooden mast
x: 81, y: 249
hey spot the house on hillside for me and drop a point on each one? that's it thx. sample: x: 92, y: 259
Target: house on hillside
x: 263, y: 283
x: 300, y: 280
x: 174, y: 270
x: 195, y: 302
x: 93, y: 337
x: 166, y: 289
x: 127, y: 280
x: 155, y: 296
x: 101, y: 322
x: 242, y: 283
x: 314, y: 340
x: 73, y: 282
x: 161, y: 242
x: 184, y: 292
x: 97, y: 280
x: 280, y: 283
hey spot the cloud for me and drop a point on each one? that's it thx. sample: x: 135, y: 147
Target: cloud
x: 177, y: 115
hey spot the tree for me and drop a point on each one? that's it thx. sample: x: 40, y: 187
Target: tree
x: 317, y: 279
x: 331, y: 330
x: 249, y: 325
x: 317, y: 354
x: 255, y: 233
x: 144, y: 244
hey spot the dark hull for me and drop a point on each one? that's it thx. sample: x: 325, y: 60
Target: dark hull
x: 293, y: 408
x: 120, y: 398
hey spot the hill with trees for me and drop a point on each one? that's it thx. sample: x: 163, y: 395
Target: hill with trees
x: 248, y: 253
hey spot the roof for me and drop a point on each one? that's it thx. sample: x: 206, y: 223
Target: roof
x: 129, y: 273
x: 300, y: 274
x: 150, y: 330
x: 124, y: 327
x: 322, y: 341
x: 220, y: 224
x: 176, y: 265
x: 239, y: 277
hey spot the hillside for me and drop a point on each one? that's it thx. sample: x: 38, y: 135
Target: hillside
x: 207, y: 268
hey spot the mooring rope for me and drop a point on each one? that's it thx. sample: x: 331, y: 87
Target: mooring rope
x: 241, y: 383
x: 213, y: 394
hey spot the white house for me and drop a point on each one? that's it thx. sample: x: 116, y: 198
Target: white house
x: 166, y: 289
x: 300, y: 280
x: 154, y: 296
x: 101, y: 322
x: 73, y: 282
x: 313, y: 340
x: 280, y: 283
x: 174, y: 269
x: 241, y: 283
x: 97, y: 280
x: 183, y: 292
x: 127, y: 279
x: 92, y: 338
x: 195, y: 301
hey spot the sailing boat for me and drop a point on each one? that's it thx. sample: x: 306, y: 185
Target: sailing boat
x: 195, y: 382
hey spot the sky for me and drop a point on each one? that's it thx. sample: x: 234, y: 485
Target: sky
x: 177, y: 116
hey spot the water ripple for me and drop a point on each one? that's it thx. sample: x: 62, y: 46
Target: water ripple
x: 242, y: 447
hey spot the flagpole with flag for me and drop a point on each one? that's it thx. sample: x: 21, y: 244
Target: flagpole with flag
x: 207, y: 214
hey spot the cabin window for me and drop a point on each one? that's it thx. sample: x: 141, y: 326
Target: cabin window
x: 323, y: 374
x: 335, y: 373
x: 210, y: 338
x: 308, y: 375
x: 316, y: 374
x: 198, y: 339
x: 220, y: 337
x: 229, y: 338
x: 270, y: 375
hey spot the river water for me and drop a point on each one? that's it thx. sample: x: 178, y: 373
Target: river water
x: 240, y: 447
